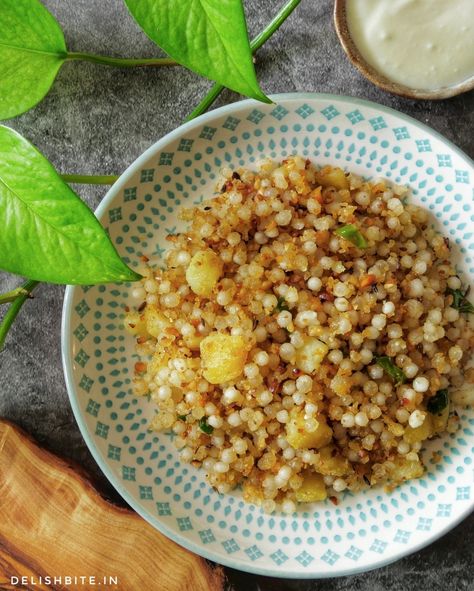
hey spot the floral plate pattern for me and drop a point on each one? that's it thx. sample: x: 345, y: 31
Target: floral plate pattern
x: 363, y: 531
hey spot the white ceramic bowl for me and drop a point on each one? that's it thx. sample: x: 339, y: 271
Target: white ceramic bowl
x: 365, y: 530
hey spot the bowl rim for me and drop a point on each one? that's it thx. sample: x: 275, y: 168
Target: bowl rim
x: 67, y: 361
x: 376, y: 77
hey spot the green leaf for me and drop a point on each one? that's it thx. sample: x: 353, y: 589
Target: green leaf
x: 460, y: 301
x: 391, y: 369
x: 32, y: 49
x: 207, y: 36
x: 353, y: 234
x: 47, y: 232
x: 205, y: 427
x: 281, y: 305
x: 437, y: 403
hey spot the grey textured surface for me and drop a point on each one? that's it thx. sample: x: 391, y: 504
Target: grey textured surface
x: 99, y: 119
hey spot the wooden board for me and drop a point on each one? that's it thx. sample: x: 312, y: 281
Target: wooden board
x: 54, y: 523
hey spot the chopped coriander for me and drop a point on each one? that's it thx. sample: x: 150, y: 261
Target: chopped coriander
x: 391, y: 369
x: 281, y: 305
x: 438, y: 402
x: 182, y: 417
x: 203, y: 425
x: 460, y: 301
x: 353, y: 234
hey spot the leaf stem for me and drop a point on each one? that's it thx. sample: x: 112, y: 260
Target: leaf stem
x: 120, y: 62
x: 206, y: 102
x: 90, y: 179
x: 202, y: 107
x: 10, y: 296
x: 255, y: 45
x: 273, y: 25
x: 15, y: 308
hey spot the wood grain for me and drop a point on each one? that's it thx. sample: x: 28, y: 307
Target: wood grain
x: 54, y: 523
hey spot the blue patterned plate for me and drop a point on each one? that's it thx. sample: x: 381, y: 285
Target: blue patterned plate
x: 364, y: 531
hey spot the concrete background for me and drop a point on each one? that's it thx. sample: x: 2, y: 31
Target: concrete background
x: 98, y: 120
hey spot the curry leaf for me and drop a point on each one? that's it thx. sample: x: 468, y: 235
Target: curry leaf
x: 437, y: 403
x: 47, y: 232
x: 460, y: 301
x: 207, y: 36
x: 32, y: 49
x: 281, y: 305
x: 205, y: 427
x: 397, y: 375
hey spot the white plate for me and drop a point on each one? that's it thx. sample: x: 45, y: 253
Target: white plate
x: 364, y: 531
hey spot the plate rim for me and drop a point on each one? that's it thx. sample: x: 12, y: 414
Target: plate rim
x: 67, y: 361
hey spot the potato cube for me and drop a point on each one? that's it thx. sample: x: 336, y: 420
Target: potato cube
x: 300, y: 438
x: 310, y: 355
x: 332, y: 177
x: 464, y: 396
x: 440, y: 421
x: 203, y: 272
x: 155, y: 321
x: 252, y: 492
x: 424, y: 431
x: 406, y: 470
x: 331, y: 464
x: 223, y: 357
x: 312, y: 489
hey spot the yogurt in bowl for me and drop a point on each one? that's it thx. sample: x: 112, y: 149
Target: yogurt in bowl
x: 418, y: 48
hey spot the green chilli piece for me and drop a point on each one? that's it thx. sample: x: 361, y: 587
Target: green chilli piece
x: 391, y: 369
x: 437, y: 403
x: 281, y: 305
x: 460, y: 301
x: 205, y: 427
x: 352, y: 234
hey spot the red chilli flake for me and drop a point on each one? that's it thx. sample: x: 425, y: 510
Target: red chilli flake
x: 367, y: 281
x: 334, y: 500
x: 325, y: 296
x: 140, y: 367
x: 141, y: 307
x: 273, y: 385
